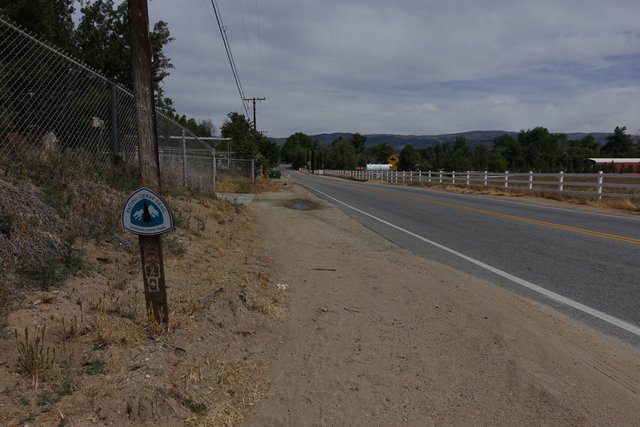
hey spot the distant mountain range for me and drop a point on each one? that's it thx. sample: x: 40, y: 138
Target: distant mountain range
x: 473, y: 138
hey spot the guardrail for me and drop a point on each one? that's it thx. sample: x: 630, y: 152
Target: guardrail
x: 595, y: 185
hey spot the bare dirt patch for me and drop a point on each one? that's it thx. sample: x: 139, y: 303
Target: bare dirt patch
x: 378, y: 336
x: 85, y: 353
x: 301, y: 204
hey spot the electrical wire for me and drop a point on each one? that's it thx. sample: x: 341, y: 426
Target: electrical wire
x: 246, y: 39
x: 232, y: 63
x: 262, y: 85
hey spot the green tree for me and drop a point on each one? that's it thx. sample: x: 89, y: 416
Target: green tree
x: 103, y: 42
x: 202, y: 128
x: 511, y: 151
x: 497, y: 162
x: 51, y: 20
x: 543, y: 150
x: 619, y: 144
x: 410, y: 159
x: 480, y: 158
x: 290, y: 151
x: 340, y: 155
x: 268, y: 152
x: 239, y: 129
x: 298, y: 157
x: 579, y: 152
x: 460, y: 158
x: 379, y: 153
x: 359, y: 142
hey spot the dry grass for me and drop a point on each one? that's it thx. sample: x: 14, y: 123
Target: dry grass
x: 226, y: 183
x: 7, y: 286
x: 265, y: 185
x: 34, y: 357
x: 235, y: 389
x: 265, y: 305
x: 113, y: 330
x: 630, y: 205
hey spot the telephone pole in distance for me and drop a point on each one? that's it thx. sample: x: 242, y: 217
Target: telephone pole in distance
x: 254, y: 99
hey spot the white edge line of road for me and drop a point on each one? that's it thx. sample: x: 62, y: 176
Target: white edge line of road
x: 547, y: 293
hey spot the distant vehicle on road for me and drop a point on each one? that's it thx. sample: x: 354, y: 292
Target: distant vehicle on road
x: 274, y: 174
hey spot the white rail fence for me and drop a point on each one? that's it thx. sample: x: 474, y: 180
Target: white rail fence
x: 593, y: 185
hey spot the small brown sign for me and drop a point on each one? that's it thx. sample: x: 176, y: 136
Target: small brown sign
x: 155, y: 292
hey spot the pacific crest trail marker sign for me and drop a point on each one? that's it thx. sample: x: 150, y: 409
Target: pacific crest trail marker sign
x: 146, y: 214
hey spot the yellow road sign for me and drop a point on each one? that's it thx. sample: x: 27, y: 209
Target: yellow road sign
x: 393, y: 160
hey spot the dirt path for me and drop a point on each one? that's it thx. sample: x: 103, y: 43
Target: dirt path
x: 377, y: 336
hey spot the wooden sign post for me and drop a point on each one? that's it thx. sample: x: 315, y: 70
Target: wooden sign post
x: 150, y: 245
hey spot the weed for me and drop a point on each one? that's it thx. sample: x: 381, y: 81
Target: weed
x: 197, y: 407
x: 194, y: 406
x: 174, y: 245
x: 24, y: 401
x: 4, y: 328
x: 46, y: 398
x: 54, y: 269
x: 34, y: 358
x: 266, y: 306
x: 76, y: 327
x: 95, y: 367
x: 47, y: 298
x: 66, y: 378
x: 7, y: 224
x: 123, y: 177
x: 112, y: 303
x: 179, y: 220
x: 108, y: 330
x: 6, y: 284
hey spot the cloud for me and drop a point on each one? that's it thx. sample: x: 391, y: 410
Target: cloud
x: 415, y: 67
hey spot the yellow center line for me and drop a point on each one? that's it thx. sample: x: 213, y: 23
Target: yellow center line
x: 512, y: 217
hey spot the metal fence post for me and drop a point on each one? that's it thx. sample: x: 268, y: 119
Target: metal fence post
x: 530, y: 180
x: 429, y: 178
x: 506, y: 180
x: 467, y: 178
x: 253, y: 171
x: 600, y: 184
x: 213, y: 171
x: 184, y: 158
x: 419, y: 176
x: 486, y: 178
x: 114, y: 124
x: 440, y: 176
x: 453, y: 177
x: 561, y: 182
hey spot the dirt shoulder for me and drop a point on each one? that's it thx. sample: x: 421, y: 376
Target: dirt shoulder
x: 378, y: 336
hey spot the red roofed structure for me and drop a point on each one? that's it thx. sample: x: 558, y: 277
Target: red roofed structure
x: 622, y: 165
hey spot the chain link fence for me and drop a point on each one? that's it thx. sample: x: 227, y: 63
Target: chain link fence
x: 51, y: 102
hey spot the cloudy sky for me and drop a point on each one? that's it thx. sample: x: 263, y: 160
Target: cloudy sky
x: 409, y: 67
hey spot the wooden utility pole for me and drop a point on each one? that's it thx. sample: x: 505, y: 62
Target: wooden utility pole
x: 155, y: 291
x: 254, y: 99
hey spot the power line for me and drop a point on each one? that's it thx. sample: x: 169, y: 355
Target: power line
x: 260, y: 48
x: 232, y: 63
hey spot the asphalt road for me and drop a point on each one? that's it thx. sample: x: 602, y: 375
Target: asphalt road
x: 583, y: 264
